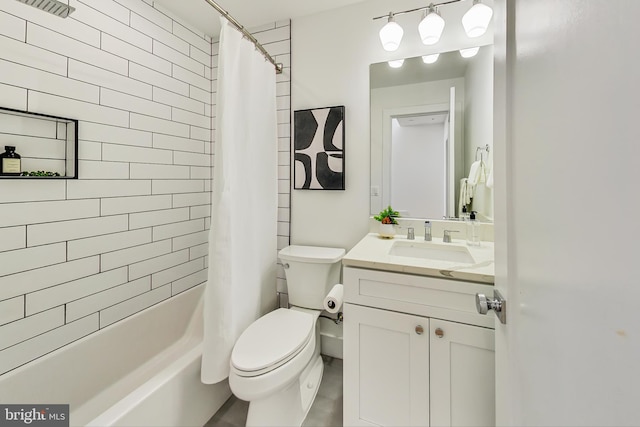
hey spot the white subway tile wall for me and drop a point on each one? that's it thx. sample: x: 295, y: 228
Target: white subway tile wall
x: 132, y: 231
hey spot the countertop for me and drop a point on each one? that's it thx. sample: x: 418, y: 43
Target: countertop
x: 373, y: 252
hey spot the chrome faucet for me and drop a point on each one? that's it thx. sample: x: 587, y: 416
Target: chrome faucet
x: 427, y: 231
x: 410, y: 234
x: 446, y: 238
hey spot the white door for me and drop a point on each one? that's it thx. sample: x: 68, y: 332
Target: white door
x: 462, y: 374
x: 566, y: 172
x: 386, y: 368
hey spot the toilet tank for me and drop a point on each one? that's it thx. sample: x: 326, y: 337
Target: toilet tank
x: 311, y: 272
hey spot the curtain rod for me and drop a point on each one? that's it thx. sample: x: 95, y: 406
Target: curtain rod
x: 247, y: 34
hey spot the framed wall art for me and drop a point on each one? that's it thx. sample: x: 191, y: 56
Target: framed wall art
x: 318, y: 139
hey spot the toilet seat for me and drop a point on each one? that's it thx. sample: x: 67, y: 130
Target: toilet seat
x: 271, y: 341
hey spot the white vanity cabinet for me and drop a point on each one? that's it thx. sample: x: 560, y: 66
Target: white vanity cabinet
x: 416, y: 352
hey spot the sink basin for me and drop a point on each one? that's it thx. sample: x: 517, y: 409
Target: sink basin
x: 434, y: 251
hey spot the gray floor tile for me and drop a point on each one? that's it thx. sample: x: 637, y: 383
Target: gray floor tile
x: 326, y: 410
x: 232, y: 414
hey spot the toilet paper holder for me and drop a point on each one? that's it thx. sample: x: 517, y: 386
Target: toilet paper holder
x: 337, y: 320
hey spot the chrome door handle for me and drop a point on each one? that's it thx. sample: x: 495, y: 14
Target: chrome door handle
x: 498, y: 304
x: 483, y: 305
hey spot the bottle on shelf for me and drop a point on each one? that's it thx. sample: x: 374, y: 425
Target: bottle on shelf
x: 10, y: 164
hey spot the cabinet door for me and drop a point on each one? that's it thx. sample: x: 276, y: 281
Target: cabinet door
x: 386, y: 368
x: 462, y: 375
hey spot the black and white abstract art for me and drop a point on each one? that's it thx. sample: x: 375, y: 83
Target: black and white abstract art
x: 318, y: 149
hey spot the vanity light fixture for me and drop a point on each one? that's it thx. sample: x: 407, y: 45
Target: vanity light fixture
x: 430, y: 59
x: 431, y: 26
x: 469, y: 52
x: 396, y: 63
x: 391, y: 34
x: 476, y: 20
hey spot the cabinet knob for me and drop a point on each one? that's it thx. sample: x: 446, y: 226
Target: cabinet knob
x: 439, y: 333
x: 419, y: 330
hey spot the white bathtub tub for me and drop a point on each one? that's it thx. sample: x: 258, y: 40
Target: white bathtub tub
x: 142, y: 371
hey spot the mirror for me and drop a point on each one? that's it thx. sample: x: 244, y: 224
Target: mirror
x: 429, y: 124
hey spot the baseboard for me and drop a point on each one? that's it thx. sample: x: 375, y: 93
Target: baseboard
x: 331, y: 345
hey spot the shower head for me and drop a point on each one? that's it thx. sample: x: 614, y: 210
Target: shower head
x: 54, y: 7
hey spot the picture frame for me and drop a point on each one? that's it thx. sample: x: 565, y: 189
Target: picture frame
x: 318, y: 155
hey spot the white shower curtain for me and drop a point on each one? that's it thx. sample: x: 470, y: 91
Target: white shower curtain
x: 242, y: 239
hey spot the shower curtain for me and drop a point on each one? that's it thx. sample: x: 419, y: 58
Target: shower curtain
x: 242, y: 240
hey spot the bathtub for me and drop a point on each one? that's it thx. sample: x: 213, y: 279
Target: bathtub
x: 141, y: 371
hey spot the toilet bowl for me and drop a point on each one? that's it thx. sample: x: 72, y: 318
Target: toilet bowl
x: 277, y: 367
x: 276, y: 363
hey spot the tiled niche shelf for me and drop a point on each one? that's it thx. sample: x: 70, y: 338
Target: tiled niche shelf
x: 44, y: 142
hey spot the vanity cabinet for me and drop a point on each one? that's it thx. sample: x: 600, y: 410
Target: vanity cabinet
x: 415, y: 352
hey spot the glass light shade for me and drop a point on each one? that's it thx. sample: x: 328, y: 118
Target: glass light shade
x: 396, y: 63
x: 431, y: 27
x: 470, y: 52
x: 476, y: 20
x: 430, y: 59
x: 391, y: 35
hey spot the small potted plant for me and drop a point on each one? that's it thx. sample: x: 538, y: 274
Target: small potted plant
x: 387, y: 218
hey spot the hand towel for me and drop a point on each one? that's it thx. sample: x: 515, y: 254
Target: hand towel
x: 490, y: 179
x: 475, y: 172
x: 466, y: 194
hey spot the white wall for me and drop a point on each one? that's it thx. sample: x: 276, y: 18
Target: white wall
x: 79, y: 255
x: 417, y: 161
x: 332, y: 52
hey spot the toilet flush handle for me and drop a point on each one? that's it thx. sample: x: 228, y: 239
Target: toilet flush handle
x: 285, y: 265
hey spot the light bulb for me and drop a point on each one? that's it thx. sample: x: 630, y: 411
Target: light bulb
x: 469, y: 52
x: 476, y: 20
x: 430, y: 59
x: 431, y: 26
x: 391, y: 34
x: 396, y: 63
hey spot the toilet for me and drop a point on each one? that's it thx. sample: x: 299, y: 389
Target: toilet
x: 276, y: 364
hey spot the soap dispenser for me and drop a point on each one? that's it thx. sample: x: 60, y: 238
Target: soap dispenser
x: 473, y: 230
x: 464, y: 215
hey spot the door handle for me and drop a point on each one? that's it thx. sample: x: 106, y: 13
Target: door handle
x: 498, y: 304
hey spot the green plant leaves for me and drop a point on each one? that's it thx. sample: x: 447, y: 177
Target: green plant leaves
x: 39, y: 173
x: 387, y: 213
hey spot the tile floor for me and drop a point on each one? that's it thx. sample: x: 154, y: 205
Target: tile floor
x: 326, y: 410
